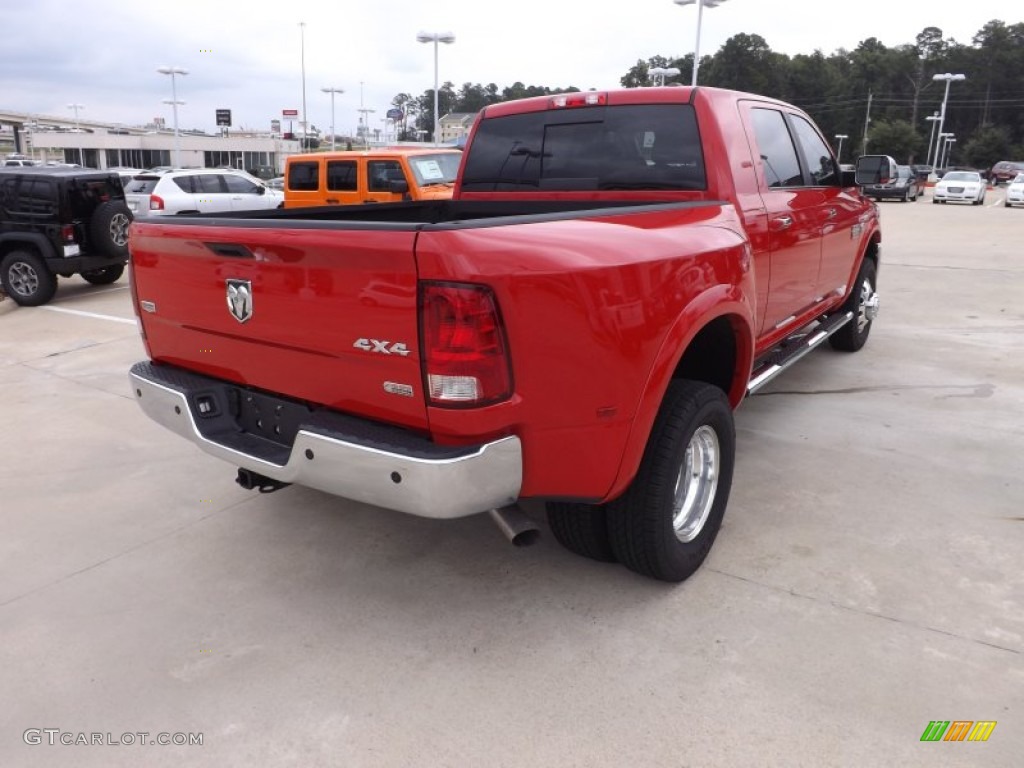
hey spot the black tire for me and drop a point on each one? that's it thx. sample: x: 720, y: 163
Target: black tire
x: 934, y: 201
x: 109, y: 228
x: 104, y: 276
x: 1007, y: 205
x: 26, y: 279
x: 582, y: 529
x: 693, y: 430
x: 852, y: 336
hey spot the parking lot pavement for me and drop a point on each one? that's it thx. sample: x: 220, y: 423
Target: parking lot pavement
x: 866, y: 581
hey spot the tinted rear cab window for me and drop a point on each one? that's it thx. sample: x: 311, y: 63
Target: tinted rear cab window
x: 626, y: 147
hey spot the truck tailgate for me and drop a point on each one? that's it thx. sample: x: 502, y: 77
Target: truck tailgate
x: 332, y: 321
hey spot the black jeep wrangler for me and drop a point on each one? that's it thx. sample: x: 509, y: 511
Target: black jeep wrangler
x: 60, y: 221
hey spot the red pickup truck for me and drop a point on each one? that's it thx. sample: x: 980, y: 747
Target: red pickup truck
x: 616, y: 271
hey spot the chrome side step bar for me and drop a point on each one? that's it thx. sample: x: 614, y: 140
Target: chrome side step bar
x: 796, y: 348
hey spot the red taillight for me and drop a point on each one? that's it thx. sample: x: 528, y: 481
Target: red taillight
x: 156, y: 203
x: 586, y: 99
x: 67, y: 233
x: 465, y: 357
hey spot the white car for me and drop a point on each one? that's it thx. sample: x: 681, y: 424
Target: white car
x: 962, y: 186
x: 1015, y: 192
x: 198, y: 190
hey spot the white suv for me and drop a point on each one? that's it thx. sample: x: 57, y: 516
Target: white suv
x: 209, y: 190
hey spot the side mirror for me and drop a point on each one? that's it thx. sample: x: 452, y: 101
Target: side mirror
x: 261, y: 190
x: 874, y: 169
x: 398, y: 187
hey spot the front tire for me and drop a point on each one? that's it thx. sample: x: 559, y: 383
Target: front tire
x: 663, y: 526
x: 104, y: 276
x: 26, y: 279
x: 863, y: 302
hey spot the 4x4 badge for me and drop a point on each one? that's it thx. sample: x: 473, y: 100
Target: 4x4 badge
x: 240, y: 299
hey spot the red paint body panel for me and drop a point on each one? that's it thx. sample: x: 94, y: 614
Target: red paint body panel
x: 316, y: 292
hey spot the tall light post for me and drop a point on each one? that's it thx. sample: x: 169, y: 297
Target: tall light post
x: 304, y: 122
x: 662, y: 72
x: 940, y: 147
x: 332, y: 91
x: 933, y: 119
x: 77, y: 107
x: 700, y: 17
x: 435, y: 38
x: 839, y: 152
x: 949, y: 78
x: 174, y: 72
x: 950, y: 141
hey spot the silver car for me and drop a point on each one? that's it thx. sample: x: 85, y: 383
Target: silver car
x: 199, y: 190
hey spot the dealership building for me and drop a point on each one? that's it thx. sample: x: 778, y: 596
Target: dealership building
x: 104, y: 145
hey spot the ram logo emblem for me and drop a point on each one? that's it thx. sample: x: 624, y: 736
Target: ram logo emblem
x: 382, y: 347
x: 240, y: 299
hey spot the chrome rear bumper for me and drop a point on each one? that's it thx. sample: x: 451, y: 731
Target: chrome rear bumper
x: 348, y: 457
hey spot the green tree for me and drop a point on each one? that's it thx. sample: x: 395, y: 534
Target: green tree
x: 988, y: 146
x: 897, y: 138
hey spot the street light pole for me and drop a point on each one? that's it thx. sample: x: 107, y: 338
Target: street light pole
x: 332, y: 91
x: 662, y: 72
x: 77, y: 107
x: 435, y: 38
x: 949, y: 78
x: 839, y: 152
x: 700, y: 17
x: 305, y: 118
x: 933, y: 118
x: 950, y: 141
x: 173, y: 71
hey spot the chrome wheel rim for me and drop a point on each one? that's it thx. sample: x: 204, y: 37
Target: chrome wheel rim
x: 867, y: 309
x: 119, y: 229
x: 23, y: 278
x: 696, y: 484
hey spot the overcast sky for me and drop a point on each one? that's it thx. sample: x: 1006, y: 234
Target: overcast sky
x: 247, y: 56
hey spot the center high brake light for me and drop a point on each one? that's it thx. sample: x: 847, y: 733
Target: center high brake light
x: 587, y: 99
x: 465, y: 355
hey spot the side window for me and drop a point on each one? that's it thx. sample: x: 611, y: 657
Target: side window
x: 817, y: 156
x: 240, y: 185
x: 8, y: 194
x: 381, y: 173
x: 781, y: 167
x: 184, y: 183
x: 38, y: 197
x: 209, y: 183
x: 304, y: 177
x: 341, y: 176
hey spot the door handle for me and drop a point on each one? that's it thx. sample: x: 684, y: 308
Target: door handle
x: 332, y: 200
x: 831, y: 213
x: 782, y: 222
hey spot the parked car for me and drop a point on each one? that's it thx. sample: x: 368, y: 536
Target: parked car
x: 276, y: 183
x: 1015, y: 192
x: 59, y: 221
x: 18, y: 161
x: 960, y: 186
x: 1005, y: 170
x: 903, y: 186
x: 198, y: 190
x: 374, y: 176
x: 922, y: 172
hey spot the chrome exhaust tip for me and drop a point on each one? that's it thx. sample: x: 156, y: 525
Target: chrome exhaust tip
x: 516, y: 525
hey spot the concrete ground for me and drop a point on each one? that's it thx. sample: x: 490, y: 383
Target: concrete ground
x: 867, y: 579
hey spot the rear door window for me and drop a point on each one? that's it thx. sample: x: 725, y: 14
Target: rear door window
x: 341, y: 176
x: 143, y: 185
x: 623, y: 147
x: 781, y: 166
